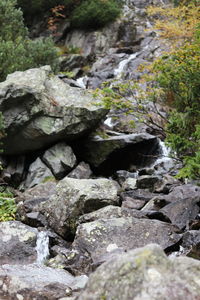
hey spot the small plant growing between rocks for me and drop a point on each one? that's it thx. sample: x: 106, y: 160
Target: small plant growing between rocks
x: 7, y: 206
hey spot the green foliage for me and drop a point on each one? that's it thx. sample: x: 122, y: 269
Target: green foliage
x: 7, y: 206
x: 34, y: 7
x: 95, y: 13
x: 17, y: 51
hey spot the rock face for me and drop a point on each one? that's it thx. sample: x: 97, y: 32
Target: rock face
x: 145, y: 273
x: 36, y: 282
x: 99, y: 237
x: 40, y: 109
x: 74, y: 197
x: 18, y: 243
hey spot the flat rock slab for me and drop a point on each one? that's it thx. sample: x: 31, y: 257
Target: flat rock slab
x: 145, y: 274
x: 104, y: 235
x: 39, y: 109
x: 17, y: 243
x: 73, y: 198
x: 36, y: 282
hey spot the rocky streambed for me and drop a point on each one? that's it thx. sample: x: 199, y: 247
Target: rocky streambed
x: 100, y: 215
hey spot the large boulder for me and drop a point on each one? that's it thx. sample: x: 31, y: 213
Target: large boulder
x: 37, y: 282
x: 145, y: 274
x: 74, y: 197
x: 18, y: 243
x: 119, y: 152
x: 40, y: 109
x: 104, y: 235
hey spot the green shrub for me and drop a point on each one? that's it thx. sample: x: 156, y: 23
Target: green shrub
x: 17, y: 51
x: 95, y: 13
x: 33, y: 7
x: 7, y: 206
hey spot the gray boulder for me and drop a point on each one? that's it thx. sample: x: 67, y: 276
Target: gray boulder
x: 105, y: 235
x: 82, y: 171
x: 37, y: 282
x: 38, y: 173
x: 18, y: 242
x: 40, y: 109
x: 60, y: 159
x: 145, y: 274
x: 74, y: 197
x: 116, y: 152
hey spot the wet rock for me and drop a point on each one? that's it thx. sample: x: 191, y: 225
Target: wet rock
x: 82, y: 171
x: 145, y: 273
x: 75, y: 197
x: 109, y: 154
x: 97, y: 237
x: 60, y: 159
x: 18, y: 242
x: 38, y: 173
x: 39, y: 109
x: 165, y: 185
x: 37, y: 282
x: 181, y: 211
x: 122, y: 175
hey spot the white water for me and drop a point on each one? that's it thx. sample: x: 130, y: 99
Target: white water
x: 42, y: 247
x: 119, y: 70
x: 82, y: 81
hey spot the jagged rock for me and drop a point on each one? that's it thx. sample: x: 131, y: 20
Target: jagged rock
x: 18, y: 242
x: 38, y: 173
x: 122, y: 175
x: 60, y: 159
x: 110, y: 211
x: 182, y: 211
x: 145, y: 273
x: 14, y: 171
x: 148, y: 182
x: 133, y: 203
x: 191, y: 243
x: 119, y: 152
x: 82, y: 171
x: 30, y: 200
x: 40, y: 109
x: 37, y: 282
x: 74, y: 197
x: 182, y: 192
x: 129, y: 184
x: 139, y: 194
x: 103, y: 235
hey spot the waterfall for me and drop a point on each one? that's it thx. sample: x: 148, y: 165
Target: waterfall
x: 164, y: 160
x: 42, y: 247
x: 119, y: 70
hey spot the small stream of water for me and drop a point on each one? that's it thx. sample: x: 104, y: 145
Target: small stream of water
x: 42, y: 247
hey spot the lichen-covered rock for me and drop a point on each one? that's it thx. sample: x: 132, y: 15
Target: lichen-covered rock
x: 60, y: 159
x: 145, y: 274
x: 40, y: 109
x: 18, y: 242
x: 37, y: 282
x: 104, y: 235
x: 82, y: 171
x: 74, y: 197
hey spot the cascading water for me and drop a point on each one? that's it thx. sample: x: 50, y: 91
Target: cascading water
x: 164, y: 161
x: 119, y: 70
x: 42, y: 247
x: 82, y: 82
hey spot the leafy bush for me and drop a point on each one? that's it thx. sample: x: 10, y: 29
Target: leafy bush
x: 7, y: 207
x: 17, y: 51
x: 95, y: 13
x: 33, y: 7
